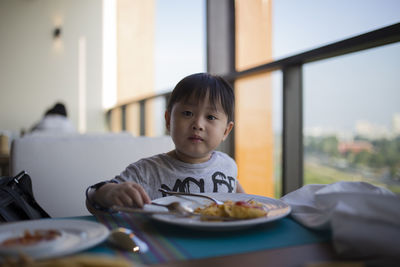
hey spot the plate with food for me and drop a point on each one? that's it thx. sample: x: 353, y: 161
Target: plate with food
x: 237, y: 211
x: 49, y: 238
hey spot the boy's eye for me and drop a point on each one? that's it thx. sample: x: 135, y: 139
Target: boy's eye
x: 211, y: 117
x: 187, y: 113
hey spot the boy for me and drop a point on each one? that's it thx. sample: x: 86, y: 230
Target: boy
x: 199, y: 117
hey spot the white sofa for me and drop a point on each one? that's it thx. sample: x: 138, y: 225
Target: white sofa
x: 63, y: 166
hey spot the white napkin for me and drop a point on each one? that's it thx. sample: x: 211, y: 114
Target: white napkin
x: 364, y: 219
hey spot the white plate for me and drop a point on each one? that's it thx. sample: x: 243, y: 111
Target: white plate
x: 76, y: 235
x: 278, y: 210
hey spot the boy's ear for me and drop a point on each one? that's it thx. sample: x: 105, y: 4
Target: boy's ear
x: 167, y: 117
x: 228, y: 129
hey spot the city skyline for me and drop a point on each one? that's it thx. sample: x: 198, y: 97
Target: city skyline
x: 363, y: 128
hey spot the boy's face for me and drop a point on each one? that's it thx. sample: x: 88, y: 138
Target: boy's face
x: 197, y: 128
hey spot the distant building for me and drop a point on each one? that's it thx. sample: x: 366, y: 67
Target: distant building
x: 319, y: 131
x: 371, y: 131
x: 354, y: 147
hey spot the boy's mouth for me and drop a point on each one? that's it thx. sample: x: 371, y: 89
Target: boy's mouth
x: 196, y: 138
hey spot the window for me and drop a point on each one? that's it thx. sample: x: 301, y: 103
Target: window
x: 351, y: 118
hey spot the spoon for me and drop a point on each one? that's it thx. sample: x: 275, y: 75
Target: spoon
x: 125, y: 239
x: 218, y: 202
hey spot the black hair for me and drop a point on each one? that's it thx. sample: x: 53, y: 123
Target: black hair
x: 57, y: 109
x: 198, y: 85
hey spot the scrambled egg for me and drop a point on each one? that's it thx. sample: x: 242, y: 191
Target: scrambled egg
x: 239, y: 210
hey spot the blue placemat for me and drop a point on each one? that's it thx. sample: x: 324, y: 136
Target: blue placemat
x: 283, y: 233
x: 171, y: 243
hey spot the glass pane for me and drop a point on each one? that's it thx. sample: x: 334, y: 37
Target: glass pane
x: 133, y: 119
x: 252, y: 33
x: 180, y: 42
x: 351, y: 118
x: 303, y: 25
x: 155, y: 122
x: 277, y: 120
x: 179, y: 50
x: 257, y: 141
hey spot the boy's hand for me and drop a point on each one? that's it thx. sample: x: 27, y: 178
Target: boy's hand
x: 127, y: 194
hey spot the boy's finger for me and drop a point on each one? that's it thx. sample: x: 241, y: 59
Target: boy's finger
x: 126, y: 199
x: 135, y: 196
x: 146, y: 199
x: 118, y: 202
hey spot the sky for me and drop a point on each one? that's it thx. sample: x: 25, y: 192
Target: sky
x: 180, y: 41
x: 337, y: 92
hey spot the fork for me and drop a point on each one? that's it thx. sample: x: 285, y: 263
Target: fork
x: 216, y: 201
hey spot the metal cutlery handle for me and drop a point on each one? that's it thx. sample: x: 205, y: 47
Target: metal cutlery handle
x: 142, y: 211
x: 187, y: 214
x: 190, y: 194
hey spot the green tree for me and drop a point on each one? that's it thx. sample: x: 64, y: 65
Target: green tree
x: 362, y: 158
x: 377, y: 160
x: 330, y: 146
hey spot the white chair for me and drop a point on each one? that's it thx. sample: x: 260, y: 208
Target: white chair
x: 63, y: 166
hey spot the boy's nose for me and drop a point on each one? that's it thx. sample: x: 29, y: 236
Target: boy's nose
x: 195, y: 127
x: 197, y: 124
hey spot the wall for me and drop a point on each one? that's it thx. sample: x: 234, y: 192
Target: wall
x: 36, y: 71
x: 135, y: 58
x: 254, y: 140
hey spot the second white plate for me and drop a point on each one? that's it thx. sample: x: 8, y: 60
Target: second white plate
x: 77, y: 235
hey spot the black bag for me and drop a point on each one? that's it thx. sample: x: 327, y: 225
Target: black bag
x: 17, y: 202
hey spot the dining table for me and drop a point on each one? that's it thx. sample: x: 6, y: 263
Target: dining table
x: 283, y: 242
x: 278, y: 239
